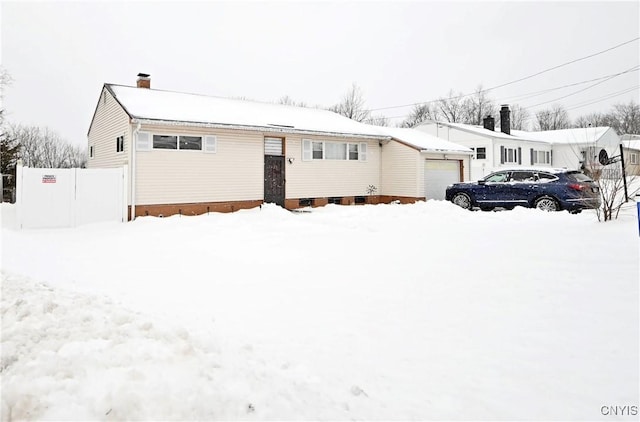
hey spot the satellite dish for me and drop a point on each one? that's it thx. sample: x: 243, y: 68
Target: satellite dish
x: 603, y: 157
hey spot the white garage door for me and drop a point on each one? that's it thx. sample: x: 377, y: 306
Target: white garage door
x: 438, y: 174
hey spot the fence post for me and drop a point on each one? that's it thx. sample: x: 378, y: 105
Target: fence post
x: 638, y: 206
x: 125, y: 193
x: 19, y: 182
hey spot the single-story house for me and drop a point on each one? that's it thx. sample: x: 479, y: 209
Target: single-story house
x: 578, y: 147
x: 631, y: 146
x: 492, y: 149
x: 192, y: 154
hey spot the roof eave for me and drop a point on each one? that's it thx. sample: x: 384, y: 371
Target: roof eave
x: 146, y: 121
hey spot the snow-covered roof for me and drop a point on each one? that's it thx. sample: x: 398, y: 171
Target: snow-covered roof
x: 423, y: 141
x: 632, y: 144
x: 176, y: 107
x: 480, y: 130
x: 569, y: 136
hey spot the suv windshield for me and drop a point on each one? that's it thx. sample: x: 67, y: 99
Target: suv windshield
x: 578, y: 176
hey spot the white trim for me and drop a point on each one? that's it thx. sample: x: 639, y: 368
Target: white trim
x: 209, y: 144
x: 144, y: 141
x: 362, y: 151
x: 260, y: 129
x: 307, y: 151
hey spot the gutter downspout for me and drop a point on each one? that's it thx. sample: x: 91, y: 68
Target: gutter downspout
x: 134, y: 140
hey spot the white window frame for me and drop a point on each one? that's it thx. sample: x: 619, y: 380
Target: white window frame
x: 209, y: 144
x: 144, y: 141
x: 307, y: 150
x: 633, y: 158
x: 177, y: 142
x: 546, y: 157
x: 514, y: 155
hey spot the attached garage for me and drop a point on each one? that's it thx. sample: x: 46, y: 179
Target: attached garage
x: 438, y: 174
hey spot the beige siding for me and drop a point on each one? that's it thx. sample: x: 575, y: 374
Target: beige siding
x: 233, y: 173
x: 402, y: 171
x: 110, y: 121
x: 326, y: 178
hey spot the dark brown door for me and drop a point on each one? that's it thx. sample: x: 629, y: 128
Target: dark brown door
x: 274, y: 179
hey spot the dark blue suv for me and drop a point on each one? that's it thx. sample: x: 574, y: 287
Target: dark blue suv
x: 546, y: 189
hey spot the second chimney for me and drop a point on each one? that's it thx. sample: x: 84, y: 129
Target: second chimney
x: 144, y: 81
x: 489, y: 123
x: 505, y: 119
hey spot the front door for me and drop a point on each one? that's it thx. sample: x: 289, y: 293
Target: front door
x: 274, y: 172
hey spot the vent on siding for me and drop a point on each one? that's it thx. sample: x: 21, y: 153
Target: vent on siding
x: 272, y: 146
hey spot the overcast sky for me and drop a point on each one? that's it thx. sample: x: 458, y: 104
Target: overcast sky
x: 59, y: 54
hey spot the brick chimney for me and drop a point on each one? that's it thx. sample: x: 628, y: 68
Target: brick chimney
x: 144, y: 81
x: 505, y: 119
x: 489, y: 123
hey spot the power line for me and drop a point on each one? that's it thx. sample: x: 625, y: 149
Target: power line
x: 517, y: 80
x: 583, y: 89
x: 572, y: 107
x: 544, y: 91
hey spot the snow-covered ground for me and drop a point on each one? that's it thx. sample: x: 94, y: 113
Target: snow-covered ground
x: 387, y: 312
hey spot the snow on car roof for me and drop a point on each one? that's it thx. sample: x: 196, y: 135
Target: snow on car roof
x: 153, y: 104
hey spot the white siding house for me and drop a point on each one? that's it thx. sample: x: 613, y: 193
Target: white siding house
x: 192, y: 154
x: 574, y: 147
x: 492, y: 149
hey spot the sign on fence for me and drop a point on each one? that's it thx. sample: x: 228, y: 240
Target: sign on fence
x: 48, y: 198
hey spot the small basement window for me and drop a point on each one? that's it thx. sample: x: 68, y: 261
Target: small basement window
x: 305, y: 202
x: 360, y: 200
x: 335, y: 200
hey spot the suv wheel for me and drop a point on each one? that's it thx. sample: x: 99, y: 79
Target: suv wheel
x: 462, y: 200
x: 547, y: 203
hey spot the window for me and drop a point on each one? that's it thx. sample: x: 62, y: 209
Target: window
x: 510, y: 155
x: 633, y: 158
x: 325, y: 150
x: 190, y: 142
x: 177, y: 142
x: 318, y: 151
x: 522, y: 176
x: 546, y: 177
x: 90, y: 151
x: 497, y: 178
x: 540, y: 157
x: 165, y: 142
x: 481, y: 153
x: 353, y: 151
x: 335, y: 151
x: 120, y: 144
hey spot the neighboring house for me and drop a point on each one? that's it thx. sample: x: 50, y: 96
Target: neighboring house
x: 631, y: 145
x: 493, y: 149
x: 192, y: 154
x: 578, y: 147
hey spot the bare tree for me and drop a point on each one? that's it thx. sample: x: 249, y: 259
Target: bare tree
x: 625, y: 118
x: 286, y: 100
x: 593, y: 120
x: 419, y: 114
x: 378, y: 120
x: 451, y: 108
x: 45, y: 148
x: 477, y: 106
x: 552, y: 119
x: 352, y: 105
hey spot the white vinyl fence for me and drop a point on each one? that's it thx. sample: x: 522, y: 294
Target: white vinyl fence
x: 48, y: 198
